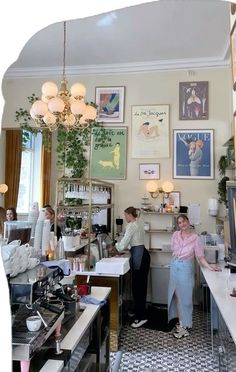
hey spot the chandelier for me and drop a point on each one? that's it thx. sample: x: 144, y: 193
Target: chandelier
x: 61, y: 107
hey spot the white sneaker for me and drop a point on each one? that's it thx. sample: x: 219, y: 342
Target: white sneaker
x: 138, y: 323
x: 176, y: 328
x: 181, y: 332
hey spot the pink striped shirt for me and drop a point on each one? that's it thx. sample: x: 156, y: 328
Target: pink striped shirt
x: 188, y: 247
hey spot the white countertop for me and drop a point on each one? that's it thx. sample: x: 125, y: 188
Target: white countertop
x: 71, y: 340
x: 112, y: 260
x: 217, y: 282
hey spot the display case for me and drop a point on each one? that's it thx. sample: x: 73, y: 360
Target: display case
x: 88, y: 201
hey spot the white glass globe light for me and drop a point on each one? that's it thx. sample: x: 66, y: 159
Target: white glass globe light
x: 167, y: 186
x: 39, y: 108
x: 49, y: 118
x: 56, y: 104
x: 32, y: 114
x: 3, y: 188
x: 49, y: 89
x: 151, y: 186
x: 78, y: 90
x: 90, y: 112
x: 78, y: 107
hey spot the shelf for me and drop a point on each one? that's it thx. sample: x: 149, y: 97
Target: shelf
x: 81, y: 246
x: 86, y: 181
x: 159, y: 231
x: 84, y: 207
x: 159, y: 250
x: 161, y: 213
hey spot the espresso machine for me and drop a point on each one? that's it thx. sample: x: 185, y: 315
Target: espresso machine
x: 30, y: 294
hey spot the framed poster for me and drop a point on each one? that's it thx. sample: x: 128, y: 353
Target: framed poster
x: 172, y: 199
x: 108, y: 153
x: 149, y: 171
x: 150, y: 131
x: 110, y: 103
x: 193, y: 154
x: 193, y: 100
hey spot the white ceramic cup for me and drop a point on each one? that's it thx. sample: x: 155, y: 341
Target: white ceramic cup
x: 8, y: 250
x: 32, y: 262
x: 33, y: 323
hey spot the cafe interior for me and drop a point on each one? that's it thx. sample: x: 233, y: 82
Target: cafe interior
x: 102, y: 113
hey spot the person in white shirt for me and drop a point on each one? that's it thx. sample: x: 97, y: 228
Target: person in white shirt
x: 139, y: 263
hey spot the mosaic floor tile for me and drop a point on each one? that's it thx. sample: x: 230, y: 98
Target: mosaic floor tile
x: 146, y: 350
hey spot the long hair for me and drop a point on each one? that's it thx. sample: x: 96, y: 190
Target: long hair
x: 50, y: 210
x: 182, y: 216
x: 132, y: 211
x: 13, y: 212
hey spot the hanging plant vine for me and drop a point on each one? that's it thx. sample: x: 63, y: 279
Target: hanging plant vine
x: 72, y: 144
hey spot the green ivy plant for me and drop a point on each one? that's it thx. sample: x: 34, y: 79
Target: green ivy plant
x: 71, y: 144
x: 222, y: 190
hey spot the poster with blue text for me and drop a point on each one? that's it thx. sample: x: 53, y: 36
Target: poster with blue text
x: 108, y: 153
x: 193, y: 154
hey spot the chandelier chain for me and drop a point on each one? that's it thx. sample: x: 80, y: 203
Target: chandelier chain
x: 64, y: 51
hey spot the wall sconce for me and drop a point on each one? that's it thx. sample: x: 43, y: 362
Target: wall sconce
x: 154, y: 190
x: 3, y: 188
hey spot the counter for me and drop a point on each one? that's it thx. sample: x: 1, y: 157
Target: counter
x: 222, y: 316
x: 217, y: 283
x: 79, y: 329
x: 120, y: 291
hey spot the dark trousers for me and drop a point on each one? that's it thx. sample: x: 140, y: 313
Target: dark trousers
x: 139, y: 286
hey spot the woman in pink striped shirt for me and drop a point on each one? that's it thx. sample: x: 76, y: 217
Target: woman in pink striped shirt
x: 185, y: 245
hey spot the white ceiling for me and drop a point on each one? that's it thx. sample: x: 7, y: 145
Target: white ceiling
x: 157, y: 35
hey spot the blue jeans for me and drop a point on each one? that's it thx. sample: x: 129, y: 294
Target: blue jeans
x: 181, y: 283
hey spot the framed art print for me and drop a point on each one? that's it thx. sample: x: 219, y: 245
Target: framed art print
x: 193, y: 154
x: 110, y: 103
x: 108, y: 153
x: 150, y: 131
x: 149, y: 171
x: 193, y: 100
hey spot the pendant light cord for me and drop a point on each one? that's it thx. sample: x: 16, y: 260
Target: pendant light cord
x: 64, y: 51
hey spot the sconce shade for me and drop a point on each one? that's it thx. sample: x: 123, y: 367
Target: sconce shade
x: 151, y: 186
x: 3, y: 188
x: 167, y: 186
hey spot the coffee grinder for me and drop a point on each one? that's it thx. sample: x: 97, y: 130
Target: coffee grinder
x: 119, y: 226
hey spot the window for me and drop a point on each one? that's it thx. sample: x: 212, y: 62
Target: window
x: 29, y: 188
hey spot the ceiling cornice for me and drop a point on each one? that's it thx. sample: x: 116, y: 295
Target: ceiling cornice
x: 118, y: 68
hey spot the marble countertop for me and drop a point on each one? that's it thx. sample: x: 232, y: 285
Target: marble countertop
x: 218, y: 285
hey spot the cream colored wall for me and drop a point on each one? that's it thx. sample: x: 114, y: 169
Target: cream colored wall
x: 2, y: 164
x: 141, y: 89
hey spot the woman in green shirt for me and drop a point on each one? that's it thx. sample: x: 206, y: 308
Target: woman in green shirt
x: 139, y: 263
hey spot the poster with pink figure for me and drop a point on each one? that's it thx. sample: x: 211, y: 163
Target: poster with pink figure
x: 193, y: 100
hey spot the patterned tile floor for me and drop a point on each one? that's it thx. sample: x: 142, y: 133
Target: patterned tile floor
x: 155, y: 351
